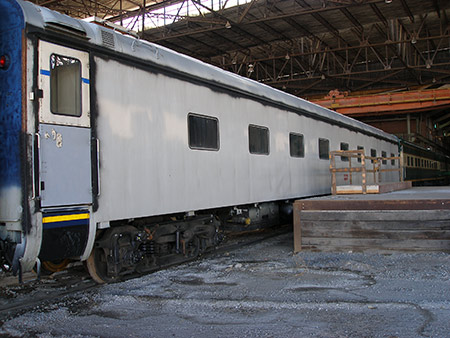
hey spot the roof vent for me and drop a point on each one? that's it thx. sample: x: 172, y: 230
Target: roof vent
x: 58, y: 21
x: 108, y: 39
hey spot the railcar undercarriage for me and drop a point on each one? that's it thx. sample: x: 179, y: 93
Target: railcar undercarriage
x: 128, y: 249
x: 140, y: 246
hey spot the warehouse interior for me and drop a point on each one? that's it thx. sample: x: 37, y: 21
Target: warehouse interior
x: 384, y: 62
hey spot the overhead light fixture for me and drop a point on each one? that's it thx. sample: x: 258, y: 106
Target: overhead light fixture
x: 388, y: 1
x: 428, y: 64
x: 228, y: 25
x: 250, y: 68
x: 287, y: 56
x: 322, y: 77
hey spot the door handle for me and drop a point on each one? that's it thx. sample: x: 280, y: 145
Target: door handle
x: 36, y: 144
x: 98, y: 166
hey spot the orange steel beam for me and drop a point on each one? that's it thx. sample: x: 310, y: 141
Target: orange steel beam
x: 386, y: 104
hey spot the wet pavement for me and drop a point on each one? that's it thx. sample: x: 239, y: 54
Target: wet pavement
x: 263, y: 290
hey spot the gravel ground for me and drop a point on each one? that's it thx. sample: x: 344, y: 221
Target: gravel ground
x: 262, y: 290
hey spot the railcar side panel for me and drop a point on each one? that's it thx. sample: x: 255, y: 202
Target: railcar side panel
x: 147, y: 167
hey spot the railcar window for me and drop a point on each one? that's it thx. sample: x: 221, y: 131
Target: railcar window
x: 373, y: 153
x: 296, y: 145
x: 344, y: 146
x: 65, y: 85
x: 392, y: 161
x: 384, y: 155
x: 408, y: 160
x: 324, y: 149
x: 203, y: 132
x: 360, y: 148
x: 258, y: 140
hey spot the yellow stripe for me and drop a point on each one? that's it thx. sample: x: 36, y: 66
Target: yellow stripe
x: 64, y: 218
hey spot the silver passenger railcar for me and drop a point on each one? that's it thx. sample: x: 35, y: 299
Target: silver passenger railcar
x: 131, y: 156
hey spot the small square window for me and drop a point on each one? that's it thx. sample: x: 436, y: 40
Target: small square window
x: 384, y: 155
x: 203, y: 132
x: 360, y: 148
x: 324, y: 149
x: 258, y: 140
x: 373, y: 153
x: 344, y: 146
x: 296, y: 145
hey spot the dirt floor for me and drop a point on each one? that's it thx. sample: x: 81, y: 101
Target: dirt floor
x: 263, y: 290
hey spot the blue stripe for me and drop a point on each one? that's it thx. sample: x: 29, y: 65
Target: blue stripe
x: 47, y: 73
x: 63, y: 212
x: 66, y: 224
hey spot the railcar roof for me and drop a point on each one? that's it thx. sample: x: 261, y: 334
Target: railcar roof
x: 44, y: 18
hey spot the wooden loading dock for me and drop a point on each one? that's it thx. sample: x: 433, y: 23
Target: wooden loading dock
x: 417, y: 219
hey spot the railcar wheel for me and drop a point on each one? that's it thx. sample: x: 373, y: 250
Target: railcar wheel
x: 55, y: 266
x: 116, y: 240
x: 193, y: 248
x: 97, y: 266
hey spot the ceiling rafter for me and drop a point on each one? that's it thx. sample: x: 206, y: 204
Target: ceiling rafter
x: 329, y: 43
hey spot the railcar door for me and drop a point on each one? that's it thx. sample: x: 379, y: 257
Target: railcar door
x: 64, y: 127
x: 64, y: 185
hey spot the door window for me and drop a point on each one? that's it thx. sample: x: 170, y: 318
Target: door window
x: 65, y: 85
x: 64, y: 82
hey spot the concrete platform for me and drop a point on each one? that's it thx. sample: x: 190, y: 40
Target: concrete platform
x: 416, y: 219
x: 259, y: 291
